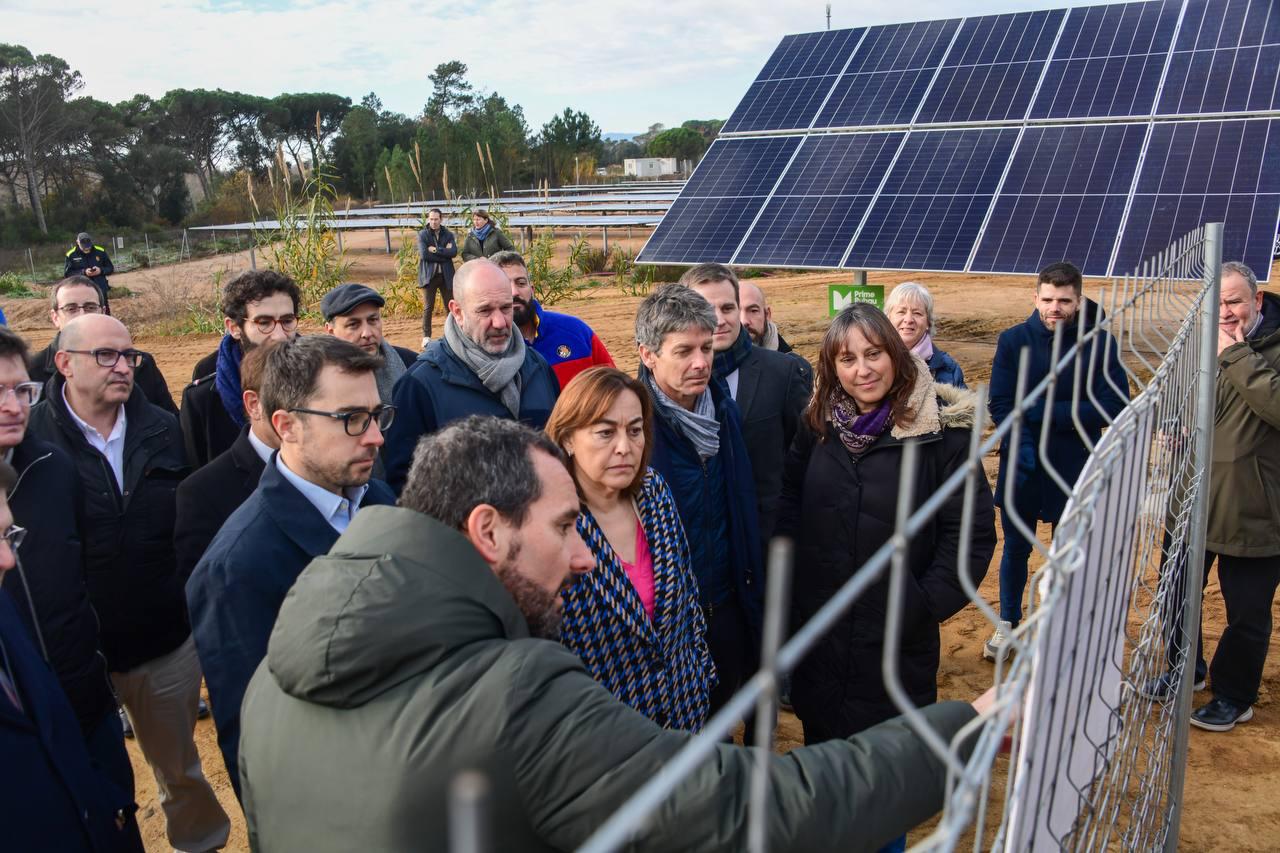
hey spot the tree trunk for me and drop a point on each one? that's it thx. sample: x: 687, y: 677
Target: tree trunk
x: 33, y: 195
x: 204, y: 181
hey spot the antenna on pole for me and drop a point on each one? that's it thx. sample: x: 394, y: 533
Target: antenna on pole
x: 828, y: 16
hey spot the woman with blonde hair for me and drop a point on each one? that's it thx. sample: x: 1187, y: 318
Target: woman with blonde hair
x: 635, y: 619
x: 910, y: 310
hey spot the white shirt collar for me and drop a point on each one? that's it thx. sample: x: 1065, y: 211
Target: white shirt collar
x: 337, y: 510
x: 260, y: 447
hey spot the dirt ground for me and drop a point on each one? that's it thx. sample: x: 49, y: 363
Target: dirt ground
x: 1232, y: 779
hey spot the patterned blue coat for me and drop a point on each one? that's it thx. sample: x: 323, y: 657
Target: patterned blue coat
x: 661, y: 668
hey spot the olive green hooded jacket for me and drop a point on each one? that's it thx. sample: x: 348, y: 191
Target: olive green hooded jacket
x: 1244, y: 500
x: 399, y: 660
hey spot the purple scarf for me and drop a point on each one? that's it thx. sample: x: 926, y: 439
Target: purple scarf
x: 857, y: 432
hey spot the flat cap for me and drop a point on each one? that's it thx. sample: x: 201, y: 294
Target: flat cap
x: 344, y: 297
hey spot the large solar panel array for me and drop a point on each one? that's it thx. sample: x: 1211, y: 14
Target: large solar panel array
x: 998, y: 144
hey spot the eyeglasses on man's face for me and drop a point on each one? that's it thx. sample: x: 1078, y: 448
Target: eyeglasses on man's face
x: 108, y: 357
x: 73, y: 309
x: 356, y: 422
x: 14, y: 536
x: 26, y: 393
x: 265, y: 323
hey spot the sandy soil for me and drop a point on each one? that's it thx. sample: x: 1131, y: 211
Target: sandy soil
x: 1233, y: 777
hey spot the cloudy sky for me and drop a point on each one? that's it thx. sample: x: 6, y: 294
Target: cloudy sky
x: 627, y: 65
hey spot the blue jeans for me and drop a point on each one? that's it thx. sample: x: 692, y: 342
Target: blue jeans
x: 1013, y: 567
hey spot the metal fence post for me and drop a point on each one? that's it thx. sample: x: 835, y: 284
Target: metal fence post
x: 468, y: 800
x: 776, y: 604
x: 1194, y: 573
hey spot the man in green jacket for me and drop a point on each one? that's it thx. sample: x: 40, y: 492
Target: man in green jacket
x: 419, y: 647
x: 1244, y: 496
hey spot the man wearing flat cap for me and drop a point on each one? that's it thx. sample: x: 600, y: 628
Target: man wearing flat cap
x: 93, y: 262
x: 353, y: 312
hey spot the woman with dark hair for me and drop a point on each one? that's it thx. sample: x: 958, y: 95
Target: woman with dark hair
x: 839, y: 499
x: 635, y: 620
x: 484, y: 240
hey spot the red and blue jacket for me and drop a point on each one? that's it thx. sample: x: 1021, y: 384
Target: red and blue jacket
x: 567, y: 343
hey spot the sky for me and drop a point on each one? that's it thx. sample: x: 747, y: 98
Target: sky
x: 627, y: 65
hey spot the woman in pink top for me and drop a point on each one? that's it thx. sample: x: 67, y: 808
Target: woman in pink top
x: 635, y: 619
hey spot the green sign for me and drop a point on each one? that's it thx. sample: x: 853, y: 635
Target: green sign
x: 841, y: 296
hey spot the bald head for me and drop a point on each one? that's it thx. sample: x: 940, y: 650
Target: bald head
x: 481, y: 304
x: 755, y: 311
x: 86, y: 332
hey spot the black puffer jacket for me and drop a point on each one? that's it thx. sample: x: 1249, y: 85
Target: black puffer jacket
x: 840, y: 511
x: 130, y: 565
x: 47, y: 585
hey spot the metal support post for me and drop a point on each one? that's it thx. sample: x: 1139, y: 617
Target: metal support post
x: 253, y: 258
x: 605, y: 231
x: 387, y: 233
x: 860, y: 278
x: 468, y: 801
x: 776, y: 604
x: 1194, y: 571
x: 339, y: 241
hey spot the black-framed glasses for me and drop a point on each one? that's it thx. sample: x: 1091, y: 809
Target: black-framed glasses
x: 14, y: 536
x: 74, y: 309
x: 357, y: 422
x: 266, y: 323
x: 108, y: 357
x: 26, y: 393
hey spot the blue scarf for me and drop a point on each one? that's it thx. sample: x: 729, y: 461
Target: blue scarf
x: 727, y: 362
x: 482, y: 233
x: 226, y: 378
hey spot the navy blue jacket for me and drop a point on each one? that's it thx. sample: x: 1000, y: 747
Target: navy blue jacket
x: 945, y: 370
x: 439, y: 389
x: 675, y: 458
x: 52, y: 797
x: 1035, y: 492
x: 48, y: 584
x: 237, y: 588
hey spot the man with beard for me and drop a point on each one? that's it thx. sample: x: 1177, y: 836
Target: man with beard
x: 353, y: 312
x: 1058, y: 302
x: 567, y: 343
x: 423, y: 645
x: 257, y: 306
x: 480, y: 367
x: 129, y: 462
x: 757, y: 318
x: 320, y: 395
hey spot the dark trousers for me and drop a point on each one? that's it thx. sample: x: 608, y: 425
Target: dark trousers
x: 734, y: 652
x: 1248, y: 586
x: 106, y: 747
x: 1013, y: 566
x: 437, y: 283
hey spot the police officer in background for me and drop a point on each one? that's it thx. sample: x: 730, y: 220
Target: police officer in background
x: 93, y: 262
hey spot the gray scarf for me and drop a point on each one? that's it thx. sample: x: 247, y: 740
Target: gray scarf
x: 770, y: 339
x: 499, y: 373
x: 699, y: 426
x: 392, y: 369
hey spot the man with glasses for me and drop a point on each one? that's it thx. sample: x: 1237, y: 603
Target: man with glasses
x: 59, y: 798
x: 47, y: 584
x: 257, y: 306
x: 74, y: 297
x: 129, y: 461
x: 320, y: 396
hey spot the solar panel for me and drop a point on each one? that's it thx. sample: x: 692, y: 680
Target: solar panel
x: 933, y: 202
x: 1208, y: 171
x: 1108, y: 61
x: 817, y: 206
x: 992, y: 70
x: 721, y: 200
x: 999, y: 143
x: 1227, y: 59
x: 888, y: 75
x: 794, y: 82
x: 1063, y: 199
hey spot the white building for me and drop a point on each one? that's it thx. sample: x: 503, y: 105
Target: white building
x: 650, y: 167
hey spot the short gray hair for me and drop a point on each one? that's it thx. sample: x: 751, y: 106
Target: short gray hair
x: 477, y: 460
x: 1244, y: 272
x: 291, y: 370
x: 912, y: 291
x: 672, y: 308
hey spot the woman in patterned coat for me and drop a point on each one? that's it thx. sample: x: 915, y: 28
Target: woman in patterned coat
x: 635, y: 619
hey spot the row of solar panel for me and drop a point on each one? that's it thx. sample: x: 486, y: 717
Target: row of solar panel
x: 997, y: 199
x: 1092, y: 62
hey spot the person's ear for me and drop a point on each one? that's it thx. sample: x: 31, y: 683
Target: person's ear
x: 286, y: 425
x: 62, y: 361
x: 232, y: 328
x: 456, y: 310
x: 252, y: 404
x: 648, y: 356
x: 328, y: 328
x: 488, y: 533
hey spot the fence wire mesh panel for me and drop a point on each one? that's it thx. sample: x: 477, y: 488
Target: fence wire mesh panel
x: 1092, y: 692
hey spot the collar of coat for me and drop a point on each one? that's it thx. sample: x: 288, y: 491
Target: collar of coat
x: 937, y: 406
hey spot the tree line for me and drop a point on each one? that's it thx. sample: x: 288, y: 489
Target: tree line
x: 67, y: 160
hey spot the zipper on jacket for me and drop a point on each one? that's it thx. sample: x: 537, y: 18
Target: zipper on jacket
x: 22, y: 576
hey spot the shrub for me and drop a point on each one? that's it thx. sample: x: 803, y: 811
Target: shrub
x: 12, y: 285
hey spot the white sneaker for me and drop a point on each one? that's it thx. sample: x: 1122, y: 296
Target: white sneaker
x: 995, y: 648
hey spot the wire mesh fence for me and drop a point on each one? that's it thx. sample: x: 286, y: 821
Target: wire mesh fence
x: 1092, y: 684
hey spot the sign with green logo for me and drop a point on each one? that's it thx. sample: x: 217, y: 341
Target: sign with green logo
x: 841, y: 296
